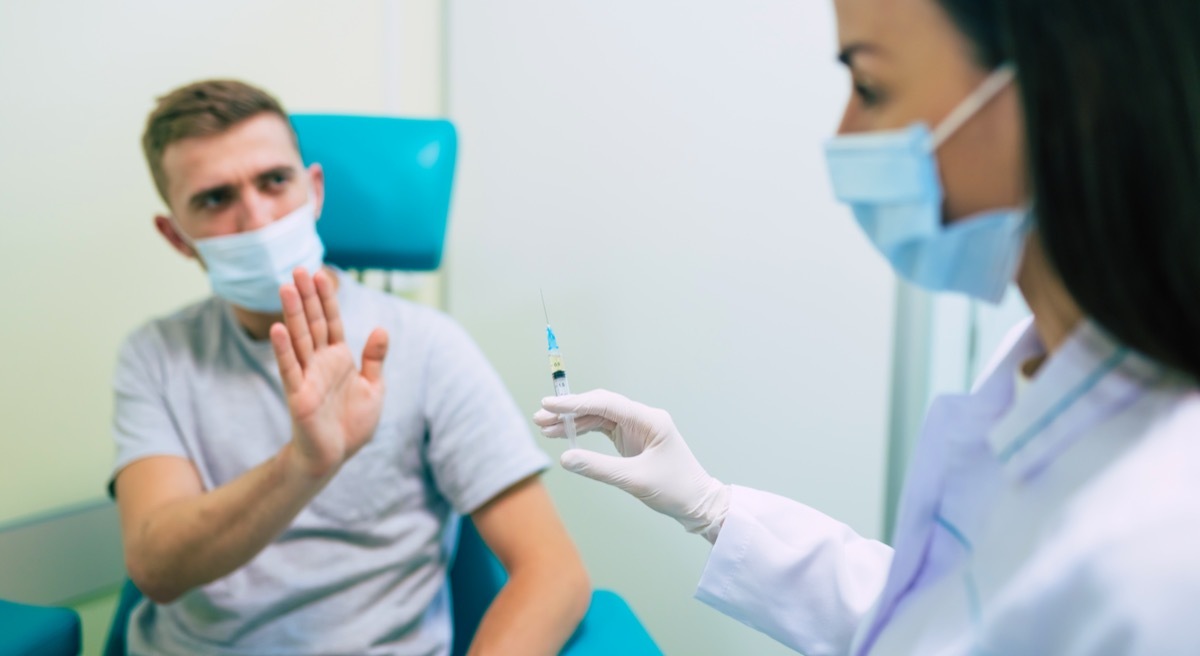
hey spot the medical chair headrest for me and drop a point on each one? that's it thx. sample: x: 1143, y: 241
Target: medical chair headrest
x: 387, y: 188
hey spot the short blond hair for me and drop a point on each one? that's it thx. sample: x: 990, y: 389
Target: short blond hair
x: 198, y: 109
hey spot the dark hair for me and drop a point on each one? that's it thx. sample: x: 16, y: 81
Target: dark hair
x: 1110, y: 91
x: 200, y: 109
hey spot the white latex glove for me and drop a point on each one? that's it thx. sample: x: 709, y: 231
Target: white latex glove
x: 655, y: 464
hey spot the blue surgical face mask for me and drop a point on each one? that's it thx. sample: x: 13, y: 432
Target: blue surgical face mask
x: 891, y: 182
x: 248, y: 268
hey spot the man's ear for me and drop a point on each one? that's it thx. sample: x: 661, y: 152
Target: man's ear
x: 166, y: 228
x: 316, y: 176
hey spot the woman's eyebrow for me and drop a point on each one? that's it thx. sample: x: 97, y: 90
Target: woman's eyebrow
x: 846, y: 56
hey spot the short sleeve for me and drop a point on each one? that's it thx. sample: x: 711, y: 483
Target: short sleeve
x: 142, y: 423
x: 479, y: 442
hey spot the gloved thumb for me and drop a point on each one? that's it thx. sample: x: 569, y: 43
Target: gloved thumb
x: 613, y: 470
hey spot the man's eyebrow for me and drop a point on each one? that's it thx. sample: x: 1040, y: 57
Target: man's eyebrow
x: 284, y: 170
x: 846, y: 56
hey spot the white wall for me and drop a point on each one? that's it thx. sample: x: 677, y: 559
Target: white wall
x: 656, y: 169
x: 79, y: 257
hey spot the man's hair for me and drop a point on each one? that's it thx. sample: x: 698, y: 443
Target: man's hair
x: 200, y: 109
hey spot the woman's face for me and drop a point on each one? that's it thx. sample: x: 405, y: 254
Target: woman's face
x: 909, y: 62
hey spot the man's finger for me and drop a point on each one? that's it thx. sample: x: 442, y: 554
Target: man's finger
x: 313, y: 311
x: 297, y: 323
x: 333, y: 317
x: 285, y: 356
x: 373, y: 354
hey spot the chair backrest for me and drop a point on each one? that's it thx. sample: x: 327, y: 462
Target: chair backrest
x: 388, y: 184
x: 476, y: 577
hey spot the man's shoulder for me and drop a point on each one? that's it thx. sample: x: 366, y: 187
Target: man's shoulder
x: 403, y: 318
x: 184, y: 326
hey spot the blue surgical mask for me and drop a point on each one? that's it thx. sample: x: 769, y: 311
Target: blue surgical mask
x: 248, y: 268
x: 891, y: 182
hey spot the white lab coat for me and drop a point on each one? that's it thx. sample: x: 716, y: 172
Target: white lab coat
x: 1065, y: 522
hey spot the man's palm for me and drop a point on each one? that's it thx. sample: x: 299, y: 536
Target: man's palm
x: 335, y: 407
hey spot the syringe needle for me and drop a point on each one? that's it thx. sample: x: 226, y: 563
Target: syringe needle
x: 544, y: 311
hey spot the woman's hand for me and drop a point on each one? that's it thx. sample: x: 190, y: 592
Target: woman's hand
x: 655, y: 464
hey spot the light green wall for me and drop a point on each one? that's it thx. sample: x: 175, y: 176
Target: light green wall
x: 96, y: 615
x: 80, y: 261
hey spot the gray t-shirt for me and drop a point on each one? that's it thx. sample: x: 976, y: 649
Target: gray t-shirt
x: 362, y: 569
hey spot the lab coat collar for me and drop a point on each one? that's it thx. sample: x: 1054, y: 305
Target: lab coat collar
x: 1090, y: 378
x: 995, y: 388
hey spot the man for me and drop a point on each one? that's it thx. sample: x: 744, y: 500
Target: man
x: 276, y: 497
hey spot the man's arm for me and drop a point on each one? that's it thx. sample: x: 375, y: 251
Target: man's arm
x: 548, y: 590
x: 177, y: 536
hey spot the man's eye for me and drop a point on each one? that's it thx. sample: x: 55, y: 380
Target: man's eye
x: 214, y: 200
x: 277, y: 180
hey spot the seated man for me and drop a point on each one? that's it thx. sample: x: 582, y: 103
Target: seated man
x: 279, y: 492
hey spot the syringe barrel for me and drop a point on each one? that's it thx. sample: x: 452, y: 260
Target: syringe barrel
x: 556, y: 362
x: 561, y: 388
x: 558, y: 373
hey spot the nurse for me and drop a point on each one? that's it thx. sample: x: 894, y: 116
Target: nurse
x: 1056, y: 508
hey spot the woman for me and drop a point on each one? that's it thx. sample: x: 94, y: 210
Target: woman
x: 1056, y: 508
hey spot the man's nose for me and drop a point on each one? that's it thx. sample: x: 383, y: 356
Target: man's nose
x: 257, y: 211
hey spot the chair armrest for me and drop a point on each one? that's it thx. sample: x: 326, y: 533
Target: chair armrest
x: 610, y: 627
x: 38, y: 630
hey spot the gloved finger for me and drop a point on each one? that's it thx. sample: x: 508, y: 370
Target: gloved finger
x: 589, y: 423
x: 612, y: 470
x: 545, y: 418
x: 579, y: 404
x: 582, y: 425
x: 609, y: 405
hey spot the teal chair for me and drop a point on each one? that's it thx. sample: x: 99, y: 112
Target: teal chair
x: 388, y: 184
x: 610, y: 626
x: 27, y: 630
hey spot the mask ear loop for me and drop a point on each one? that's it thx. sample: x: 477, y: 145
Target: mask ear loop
x: 993, y: 85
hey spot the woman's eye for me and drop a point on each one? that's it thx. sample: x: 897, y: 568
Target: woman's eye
x: 868, y: 96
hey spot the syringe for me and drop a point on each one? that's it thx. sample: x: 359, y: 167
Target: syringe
x: 559, y: 375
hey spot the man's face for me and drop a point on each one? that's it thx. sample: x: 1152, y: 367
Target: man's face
x: 236, y: 181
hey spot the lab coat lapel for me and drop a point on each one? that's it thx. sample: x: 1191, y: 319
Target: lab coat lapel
x: 919, y: 503
x: 953, y: 423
